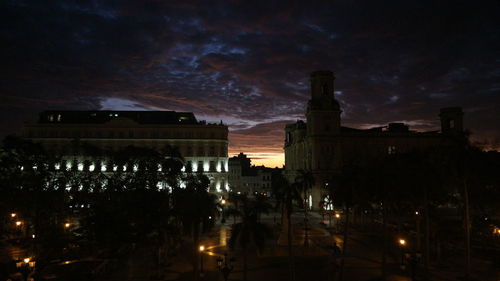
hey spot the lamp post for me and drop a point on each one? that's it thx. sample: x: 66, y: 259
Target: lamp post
x: 337, y: 220
x: 223, y: 203
x: 417, y: 228
x: 202, y: 248
x: 402, y: 244
x: 413, y: 258
x: 224, y: 265
x: 27, y: 267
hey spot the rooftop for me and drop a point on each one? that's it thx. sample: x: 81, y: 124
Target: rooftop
x: 104, y: 116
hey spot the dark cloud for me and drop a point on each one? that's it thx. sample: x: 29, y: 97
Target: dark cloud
x: 248, y: 61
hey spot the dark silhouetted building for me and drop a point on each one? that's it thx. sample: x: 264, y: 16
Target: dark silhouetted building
x: 321, y: 145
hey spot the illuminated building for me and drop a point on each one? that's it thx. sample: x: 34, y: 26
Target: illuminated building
x: 321, y: 145
x: 203, y: 146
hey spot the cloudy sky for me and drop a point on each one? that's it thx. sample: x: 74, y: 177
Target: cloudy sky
x: 247, y: 62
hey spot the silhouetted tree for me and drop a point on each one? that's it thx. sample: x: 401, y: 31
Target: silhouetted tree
x: 249, y: 231
x: 305, y: 179
x: 194, y: 206
x: 286, y: 194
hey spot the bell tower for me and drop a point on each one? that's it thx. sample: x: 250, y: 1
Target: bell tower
x: 323, y: 111
x: 323, y: 130
x: 451, y: 120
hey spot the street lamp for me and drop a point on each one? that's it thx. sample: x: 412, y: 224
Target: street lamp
x: 18, y: 223
x: 67, y: 225
x: 402, y: 242
x: 202, y: 248
x: 224, y: 265
x: 13, y: 215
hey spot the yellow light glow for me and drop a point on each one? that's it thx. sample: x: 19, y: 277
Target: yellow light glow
x: 27, y: 260
x: 223, y: 201
x: 18, y: 223
x: 416, y: 213
x: 13, y: 215
x: 337, y: 216
x: 67, y: 225
x: 202, y: 248
x: 402, y: 242
x: 33, y: 236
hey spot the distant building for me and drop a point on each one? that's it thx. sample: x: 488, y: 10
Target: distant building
x: 203, y: 146
x: 248, y: 179
x: 323, y: 146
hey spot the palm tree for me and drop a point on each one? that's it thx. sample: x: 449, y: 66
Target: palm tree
x: 286, y: 194
x: 305, y: 180
x: 381, y: 182
x: 342, y: 191
x: 249, y: 231
x: 472, y: 171
x: 261, y: 205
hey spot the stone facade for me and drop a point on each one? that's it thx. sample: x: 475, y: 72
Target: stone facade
x: 321, y: 145
x: 203, y: 146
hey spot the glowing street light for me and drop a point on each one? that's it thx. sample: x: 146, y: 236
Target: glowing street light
x: 402, y: 242
x: 417, y: 213
x: 337, y: 215
x: 26, y: 260
x: 18, y: 223
x: 67, y: 225
x: 223, y: 201
x: 13, y: 215
x: 202, y: 248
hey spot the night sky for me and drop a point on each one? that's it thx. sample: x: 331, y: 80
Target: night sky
x: 248, y: 62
